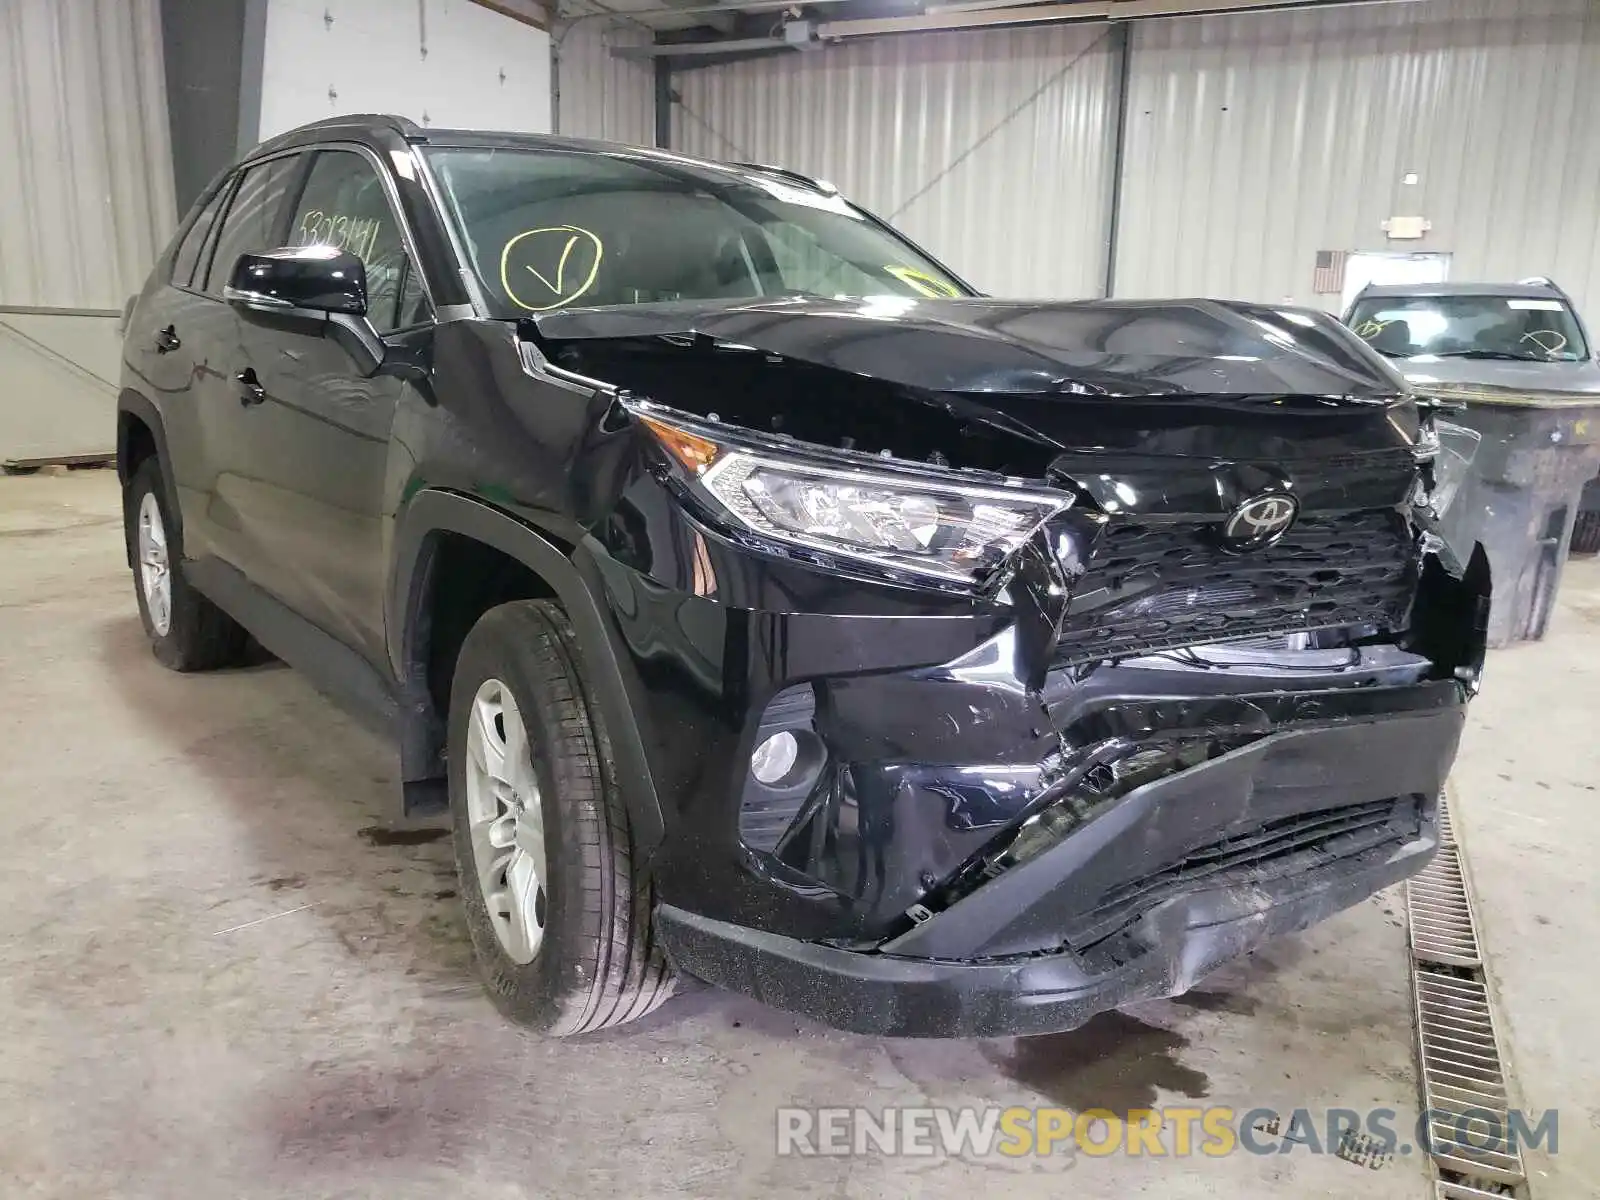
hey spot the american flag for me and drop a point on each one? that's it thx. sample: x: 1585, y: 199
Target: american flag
x: 1328, y: 278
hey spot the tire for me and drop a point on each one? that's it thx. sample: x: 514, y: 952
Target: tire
x: 1586, y: 533
x: 199, y: 636
x: 594, y: 960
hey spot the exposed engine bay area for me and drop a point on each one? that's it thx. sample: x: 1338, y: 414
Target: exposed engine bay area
x: 1150, y: 556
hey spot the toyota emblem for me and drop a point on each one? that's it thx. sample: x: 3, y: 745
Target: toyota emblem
x: 1259, y: 522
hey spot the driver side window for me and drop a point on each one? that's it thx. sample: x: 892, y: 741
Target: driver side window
x: 344, y: 205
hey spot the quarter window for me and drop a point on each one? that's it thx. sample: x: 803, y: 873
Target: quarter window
x: 183, y: 262
x: 344, y: 205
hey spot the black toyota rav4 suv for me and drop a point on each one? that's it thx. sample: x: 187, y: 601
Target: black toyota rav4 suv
x: 765, y: 605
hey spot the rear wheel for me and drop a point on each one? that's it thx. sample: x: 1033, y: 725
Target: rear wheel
x: 559, y: 918
x: 187, y: 632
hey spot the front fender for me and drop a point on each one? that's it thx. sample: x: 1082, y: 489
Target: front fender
x: 433, y: 511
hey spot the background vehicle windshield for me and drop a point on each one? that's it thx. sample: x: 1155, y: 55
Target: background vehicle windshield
x: 547, y: 230
x: 1510, y: 327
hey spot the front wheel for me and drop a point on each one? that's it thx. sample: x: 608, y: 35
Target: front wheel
x: 559, y: 919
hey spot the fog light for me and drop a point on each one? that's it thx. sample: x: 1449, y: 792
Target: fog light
x: 774, y: 758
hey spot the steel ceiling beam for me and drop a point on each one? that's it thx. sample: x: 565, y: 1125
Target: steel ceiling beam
x: 1112, y: 11
x: 960, y: 14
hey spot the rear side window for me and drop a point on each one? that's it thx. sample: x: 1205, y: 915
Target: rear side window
x: 183, y: 263
x: 252, y: 220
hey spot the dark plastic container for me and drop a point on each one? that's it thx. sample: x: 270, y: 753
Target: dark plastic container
x: 1522, y: 496
x: 1586, y: 534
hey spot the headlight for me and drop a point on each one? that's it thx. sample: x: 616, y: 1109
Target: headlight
x: 899, y: 520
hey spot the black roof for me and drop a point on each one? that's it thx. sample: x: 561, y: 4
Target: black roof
x: 377, y: 125
x: 1543, y: 291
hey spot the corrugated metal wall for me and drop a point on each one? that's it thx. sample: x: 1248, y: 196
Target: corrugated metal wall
x: 446, y: 62
x: 87, y: 201
x: 1256, y: 141
x: 85, y: 207
x: 598, y: 95
x: 990, y: 149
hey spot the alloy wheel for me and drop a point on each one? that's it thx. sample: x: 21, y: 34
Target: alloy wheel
x: 155, y: 571
x: 506, y: 821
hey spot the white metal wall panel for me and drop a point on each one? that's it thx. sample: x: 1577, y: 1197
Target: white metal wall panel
x: 60, y: 376
x: 601, y: 96
x: 1255, y: 141
x: 438, y: 62
x: 991, y: 149
x: 86, y: 202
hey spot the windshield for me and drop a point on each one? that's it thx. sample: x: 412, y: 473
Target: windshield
x: 1506, y: 327
x: 547, y: 229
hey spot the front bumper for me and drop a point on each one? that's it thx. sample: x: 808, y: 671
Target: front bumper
x: 960, y: 973
x: 1294, y: 789
x: 893, y: 995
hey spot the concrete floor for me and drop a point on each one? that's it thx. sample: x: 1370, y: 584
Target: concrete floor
x: 1528, y: 812
x: 220, y: 977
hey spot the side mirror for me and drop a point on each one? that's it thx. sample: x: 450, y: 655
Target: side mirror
x: 301, y: 284
x: 311, y: 279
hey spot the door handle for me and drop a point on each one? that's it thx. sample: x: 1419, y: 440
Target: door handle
x: 167, y: 340
x: 250, y: 390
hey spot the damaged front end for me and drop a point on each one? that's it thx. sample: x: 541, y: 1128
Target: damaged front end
x: 1219, y: 669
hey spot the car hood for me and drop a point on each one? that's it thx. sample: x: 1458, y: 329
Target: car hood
x: 1490, y: 375
x: 1108, y: 348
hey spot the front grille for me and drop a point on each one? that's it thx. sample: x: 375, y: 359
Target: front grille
x: 1153, y: 586
x: 1270, y: 850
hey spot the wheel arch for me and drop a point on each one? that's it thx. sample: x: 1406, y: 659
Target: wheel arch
x: 141, y: 435
x: 428, y: 519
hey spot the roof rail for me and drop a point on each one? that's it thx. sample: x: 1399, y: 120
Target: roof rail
x: 1545, y: 281
x: 401, y: 125
x: 816, y: 185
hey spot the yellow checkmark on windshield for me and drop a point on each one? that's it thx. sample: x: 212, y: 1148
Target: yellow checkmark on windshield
x: 561, y: 267
x: 576, y: 265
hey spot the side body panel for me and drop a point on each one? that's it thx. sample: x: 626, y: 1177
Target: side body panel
x: 308, y: 484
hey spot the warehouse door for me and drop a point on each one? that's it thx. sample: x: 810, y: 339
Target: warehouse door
x: 1382, y: 267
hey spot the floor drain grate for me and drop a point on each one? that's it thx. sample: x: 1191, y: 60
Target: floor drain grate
x: 1469, y: 1119
x: 1470, y: 1131
x: 1460, y: 1191
x: 1447, y: 833
x: 1443, y: 930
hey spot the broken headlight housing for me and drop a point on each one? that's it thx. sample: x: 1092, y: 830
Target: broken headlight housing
x: 902, y: 520
x: 1458, y: 447
x: 1447, y: 451
x: 944, y: 530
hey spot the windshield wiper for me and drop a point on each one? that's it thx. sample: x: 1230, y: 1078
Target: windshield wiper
x: 1503, y: 355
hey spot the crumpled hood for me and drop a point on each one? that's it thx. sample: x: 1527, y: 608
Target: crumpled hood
x: 1100, y: 347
